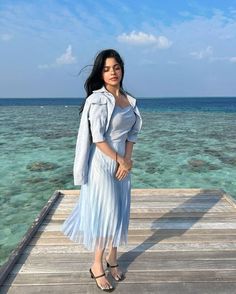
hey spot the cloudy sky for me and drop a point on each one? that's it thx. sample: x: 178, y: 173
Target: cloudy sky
x: 170, y: 48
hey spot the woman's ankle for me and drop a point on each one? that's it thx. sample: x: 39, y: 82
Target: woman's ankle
x: 111, y: 259
x: 97, y: 265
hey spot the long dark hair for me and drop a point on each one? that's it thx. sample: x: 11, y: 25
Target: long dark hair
x: 95, y: 81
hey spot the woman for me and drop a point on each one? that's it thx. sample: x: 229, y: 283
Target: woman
x: 108, y: 129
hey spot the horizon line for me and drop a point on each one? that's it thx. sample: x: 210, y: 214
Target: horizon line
x: 143, y: 97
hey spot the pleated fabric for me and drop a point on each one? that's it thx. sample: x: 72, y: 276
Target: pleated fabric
x: 100, y: 217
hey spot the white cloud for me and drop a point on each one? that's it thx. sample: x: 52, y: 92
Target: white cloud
x: 67, y: 57
x: 205, y: 53
x: 223, y: 58
x: 141, y: 38
x: 137, y: 38
x: 232, y: 59
x: 64, y: 59
x: 208, y: 53
x: 5, y: 37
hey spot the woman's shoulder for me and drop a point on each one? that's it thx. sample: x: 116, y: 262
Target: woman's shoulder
x: 96, y: 98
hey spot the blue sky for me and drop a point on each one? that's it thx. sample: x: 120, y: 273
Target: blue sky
x: 170, y: 48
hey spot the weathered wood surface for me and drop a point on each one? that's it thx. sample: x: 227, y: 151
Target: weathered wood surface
x: 180, y: 241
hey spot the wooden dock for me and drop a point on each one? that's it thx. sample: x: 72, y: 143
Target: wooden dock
x: 180, y: 241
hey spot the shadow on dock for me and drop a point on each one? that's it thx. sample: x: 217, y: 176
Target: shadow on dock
x: 157, y: 234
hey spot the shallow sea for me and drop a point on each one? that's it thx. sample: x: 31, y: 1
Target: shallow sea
x: 184, y: 143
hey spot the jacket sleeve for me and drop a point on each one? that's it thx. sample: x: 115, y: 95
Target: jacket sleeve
x: 98, y: 119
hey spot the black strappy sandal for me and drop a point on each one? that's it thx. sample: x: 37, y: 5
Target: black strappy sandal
x: 113, y: 266
x: 103, y: 289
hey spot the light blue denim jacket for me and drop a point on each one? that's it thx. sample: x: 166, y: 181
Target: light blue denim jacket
x: 94, y: 123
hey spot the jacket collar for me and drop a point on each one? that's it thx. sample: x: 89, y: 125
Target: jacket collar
x: 103, y: 89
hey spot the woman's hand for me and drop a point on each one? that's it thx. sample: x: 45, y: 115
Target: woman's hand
x: 124, y: 162
x: 125, y: 165
x: 121, y: 173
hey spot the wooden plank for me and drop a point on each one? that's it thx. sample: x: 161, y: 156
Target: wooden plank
x: 61, y: 216
x: 177, y: 192
x: 159, y: 205
x: 165, y: 210
x: 158, y: 198
x: 165, y: 213
x: 132, y: 256
x: 163, y: 207
x: 150, y: 239
x: 146, y: 233
x: 204, y: 227
x: 131, y: 288
x: 183, y: 205
x: 149, y: 247
x: 81, y: 277
x: 160, y: 225
x: 152, y: 265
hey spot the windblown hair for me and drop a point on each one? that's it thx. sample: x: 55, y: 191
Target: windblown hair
x: 95, y: 81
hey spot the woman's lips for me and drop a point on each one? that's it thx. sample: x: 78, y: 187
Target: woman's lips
x: 114, y: 79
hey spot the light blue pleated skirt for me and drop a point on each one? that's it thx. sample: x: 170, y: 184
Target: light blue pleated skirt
x: 100, y: 217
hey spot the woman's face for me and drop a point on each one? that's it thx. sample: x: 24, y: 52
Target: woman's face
x: 112, y: 73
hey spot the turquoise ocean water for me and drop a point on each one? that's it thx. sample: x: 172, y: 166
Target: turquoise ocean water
x: 184, y: 143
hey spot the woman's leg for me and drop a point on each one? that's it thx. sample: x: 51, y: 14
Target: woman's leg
x: 97, y: 269
x: 111, y: 258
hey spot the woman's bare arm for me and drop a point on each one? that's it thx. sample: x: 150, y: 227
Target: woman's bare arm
x: 124, y: 162
x: 128, y: 149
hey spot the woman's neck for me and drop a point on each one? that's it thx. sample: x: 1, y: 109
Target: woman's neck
x: 115, y: 91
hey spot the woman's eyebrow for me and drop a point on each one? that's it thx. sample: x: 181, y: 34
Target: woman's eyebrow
x: 107, y: 66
